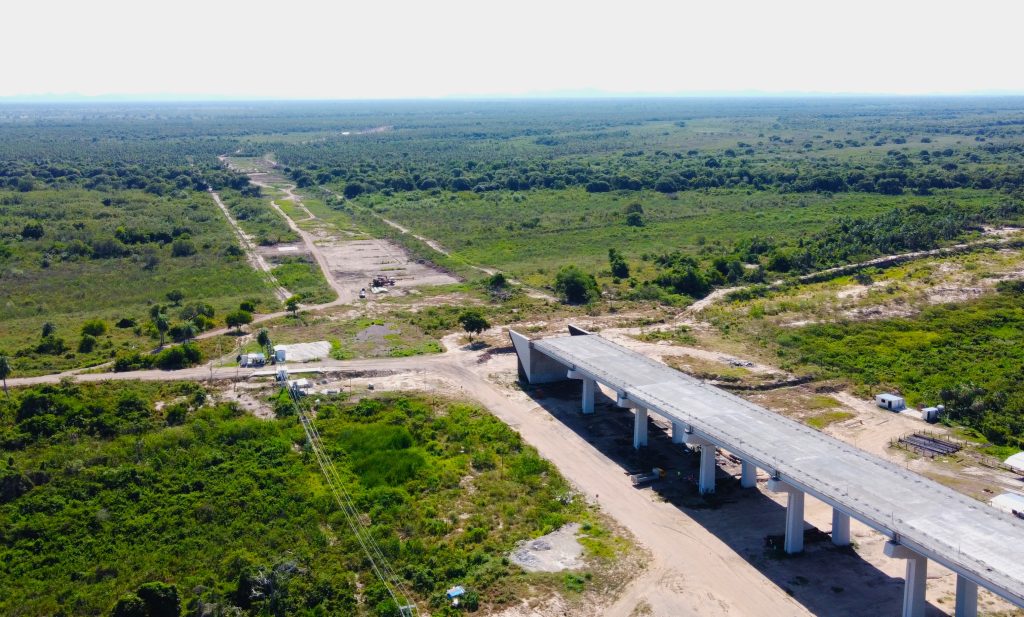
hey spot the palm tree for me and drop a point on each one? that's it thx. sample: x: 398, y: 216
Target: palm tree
x: 263, y: 338
x: 5, y: 370
x: 188, y: 330
x: 162, y: 325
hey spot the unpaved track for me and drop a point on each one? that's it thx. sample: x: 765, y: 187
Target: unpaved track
x: 255, y: 258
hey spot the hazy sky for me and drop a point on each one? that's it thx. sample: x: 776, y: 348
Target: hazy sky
x: 431, y: 48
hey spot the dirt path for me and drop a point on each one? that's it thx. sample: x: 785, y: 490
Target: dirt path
x: 431, y: 243
x: 252, y: 255
x: 995, y: 238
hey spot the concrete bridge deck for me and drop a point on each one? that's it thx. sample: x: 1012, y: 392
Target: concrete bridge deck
x: 923, y: 519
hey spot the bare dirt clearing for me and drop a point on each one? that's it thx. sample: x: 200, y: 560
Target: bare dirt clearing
x: 348, y: 264
x: 557, y: 551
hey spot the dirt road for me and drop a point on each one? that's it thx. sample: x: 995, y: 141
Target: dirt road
x: 255, y: 259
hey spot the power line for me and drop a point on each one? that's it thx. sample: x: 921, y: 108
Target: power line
x: 379, y: 563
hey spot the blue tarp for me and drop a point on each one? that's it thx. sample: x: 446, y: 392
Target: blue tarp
x: 455, y: 592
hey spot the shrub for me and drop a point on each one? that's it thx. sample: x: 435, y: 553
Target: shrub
x: 51, y: 345
x: 576, y: 286
x: 94, y: 327
x: 87, y: 344
x: 183, y: 247
x: 635, y: 219
x: 178, y: 357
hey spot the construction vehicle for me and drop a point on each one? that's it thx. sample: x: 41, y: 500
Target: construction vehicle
x: 382, y: 280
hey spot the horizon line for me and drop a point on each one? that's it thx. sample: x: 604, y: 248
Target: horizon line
x: 539, y: 96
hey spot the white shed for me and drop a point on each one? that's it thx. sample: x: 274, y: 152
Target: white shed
x: 1011, y: 503
x: 892, y: 402
x: 1016, y: 463
x: 280, y: 353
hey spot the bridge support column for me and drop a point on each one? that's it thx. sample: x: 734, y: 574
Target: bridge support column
x: 678, y: 432
x: 706, y: 480
x: 589, y: 390
x: 840, y: 527
x: 707, y: 469
x: 966, y: 598
x: 639, y: 427
x: 916, y: 579
x: 794, y: 542
x: 589, y: 387
x: 748, y: 475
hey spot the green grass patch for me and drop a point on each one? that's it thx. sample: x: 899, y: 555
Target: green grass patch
x: 822, y: 420
x: 303, y: 278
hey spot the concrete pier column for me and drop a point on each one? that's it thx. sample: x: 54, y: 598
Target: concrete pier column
x: 840, y: 527
x: 795, y: 522
x: 916, y: 580
x: 678, y: 432
x: 707, y: 469
x: 794, y: 515
x: 639, y: 427
x: 706, y: 481
x: 589, y: 388
x: 748, y: 475
x: 966, y: 597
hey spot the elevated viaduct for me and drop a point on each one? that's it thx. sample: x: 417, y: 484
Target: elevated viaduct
x: 922, y: 519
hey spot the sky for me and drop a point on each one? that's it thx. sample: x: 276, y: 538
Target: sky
x: 373, y: 49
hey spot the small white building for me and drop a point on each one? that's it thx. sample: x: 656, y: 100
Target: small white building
x: 1011, y: 503
x: 252, y: 359
x: 300, y: 387
x: 892, y: 402
x: 1016, y: 463
x: 280, y: 353
x: 931, y: 414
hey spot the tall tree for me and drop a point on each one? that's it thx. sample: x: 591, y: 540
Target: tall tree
x: 5, y: 370
x: 162, y: 325
x: 263, y: 338
x: 473, y: 322
x: 292, y: 304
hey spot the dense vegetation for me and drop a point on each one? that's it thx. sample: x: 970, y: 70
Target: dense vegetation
x: 104, y: 493
x: 965, y: 356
